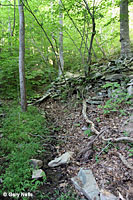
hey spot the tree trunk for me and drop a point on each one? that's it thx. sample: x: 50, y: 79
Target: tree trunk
x: 9, y: 36
x: 21, y: 56
x: 53, y: 57
x: 61, y: 65
x: 124, y: 29
x: 92, y: 15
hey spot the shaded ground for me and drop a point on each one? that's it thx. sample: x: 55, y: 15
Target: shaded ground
x: 108, y: 169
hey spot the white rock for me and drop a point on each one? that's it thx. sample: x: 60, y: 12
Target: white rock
x: 63, y: 159
x: 39, y: 173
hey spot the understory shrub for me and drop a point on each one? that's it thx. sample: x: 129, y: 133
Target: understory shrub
x: 118, y: 97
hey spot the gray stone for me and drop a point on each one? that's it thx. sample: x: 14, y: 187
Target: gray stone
x: 130, y: 77
x: 97, y: 98
x: 130, y: 90
x: 36, y: 163
x: 97, y: 75
x: 130, y: 87
x: 86, y: 183
x: 1, y: 181
x: 94, y: 102
x: 63, y: 159
x: 2, y: 115
x: 131, y: 82
x: 39, y: 173
x: 113, y: 77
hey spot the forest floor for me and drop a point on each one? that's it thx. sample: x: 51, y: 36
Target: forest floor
x: 108, y: 169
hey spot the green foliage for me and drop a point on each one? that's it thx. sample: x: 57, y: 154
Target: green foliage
x: 16, y: 128
x: 118, y: 98
x: 130, y: 152
x: 40, y: 63
x: 66, y: 196
x: 88, y: 132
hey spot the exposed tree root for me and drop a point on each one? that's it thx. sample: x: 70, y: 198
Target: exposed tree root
x: 128, y: 139
x: 87, y: 152
x: 87, y: 120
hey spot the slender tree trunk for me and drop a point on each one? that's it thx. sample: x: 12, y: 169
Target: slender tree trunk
x: 21, y: 56
x: 92, y: 15
x: 61, y: 65
x: 9, y: 34
x: 124, y: 29
x: 53, y: 58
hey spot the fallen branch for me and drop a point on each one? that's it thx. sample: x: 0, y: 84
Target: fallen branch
x: 128, y: 139
x: 124, y: 161
x: 122, y: 158
x: 42, y: 98
x: 87, y: 120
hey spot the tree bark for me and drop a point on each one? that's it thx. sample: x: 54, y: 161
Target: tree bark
x: 9, y: 34
x: 92, y: 15
x: 21, y: 56
x: 124, y: 29
x: 61, y: 65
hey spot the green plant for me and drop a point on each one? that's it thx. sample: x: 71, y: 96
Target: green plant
x: 125, y: 133
x: 88, y: 132
x: 97, y: 158
x: 131, y: 152
x: 17, y: 127
x: 98, y: 119
x: 104, y: 150
x: 117, y: 99
x: 67, y: 196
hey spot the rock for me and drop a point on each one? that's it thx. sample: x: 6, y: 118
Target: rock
x: 130, y: 90
x: 105, y: 195
x: 1, y: 181
x: 2, y: 115
x: 63, y: 159
x: 97, y: 75
x: 130, y: 77
x: 113, y: 77
x: 94, y: 102
x: 130, y: 87
x: 39, y: 173
x: 36, y: 163
x: 97, y: 98
x: 86, y: 183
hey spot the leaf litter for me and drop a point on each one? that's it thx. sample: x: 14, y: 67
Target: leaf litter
x: 102, y: 158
